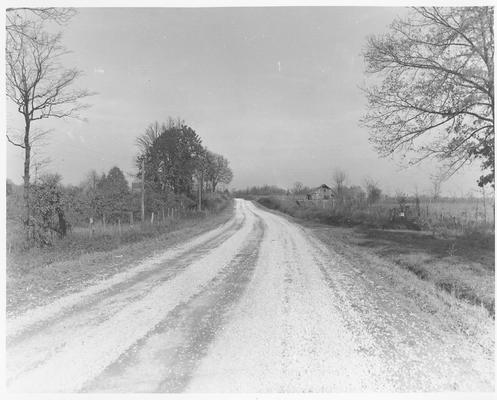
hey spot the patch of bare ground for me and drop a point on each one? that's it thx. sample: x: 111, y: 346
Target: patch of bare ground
x: 39, y: 276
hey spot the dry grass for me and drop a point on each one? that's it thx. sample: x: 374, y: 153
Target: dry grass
x: 459, y: 263
x: 416, y: 272
x: 462, y: 268
x: 37, y: 275
x: 466, y: 217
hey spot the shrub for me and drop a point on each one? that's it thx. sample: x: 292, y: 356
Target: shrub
x: 47, y: 210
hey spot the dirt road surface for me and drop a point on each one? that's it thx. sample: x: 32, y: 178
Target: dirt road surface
x: 256, y: 305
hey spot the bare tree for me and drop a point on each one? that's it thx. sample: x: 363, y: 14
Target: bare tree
x: 26, y: 21
x: 17, y: 17
x: 373, y: 191
x: 298, y: 187
x: 437, y: 179
x: 218, y: 170
x: 436, y: 92
x: 37, y: 84
x: 339, y: 179
x: 152, y: 133
x: 38, y: 139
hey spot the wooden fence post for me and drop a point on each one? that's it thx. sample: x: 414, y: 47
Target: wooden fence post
x: 152, y: 219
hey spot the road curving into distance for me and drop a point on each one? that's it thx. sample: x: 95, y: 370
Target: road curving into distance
x: 256, y: 305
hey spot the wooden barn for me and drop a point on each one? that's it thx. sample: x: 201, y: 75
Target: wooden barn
x: 322, y: 192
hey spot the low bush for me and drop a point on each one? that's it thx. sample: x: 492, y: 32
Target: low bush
x: 215, y: 201
x: 347, y: 216
x: 82, y: 239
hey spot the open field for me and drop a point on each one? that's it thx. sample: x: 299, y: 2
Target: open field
x: 448, y: 217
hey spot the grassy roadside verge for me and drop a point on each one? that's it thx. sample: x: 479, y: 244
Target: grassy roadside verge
x: 462, y: 268
x: 39, y: 276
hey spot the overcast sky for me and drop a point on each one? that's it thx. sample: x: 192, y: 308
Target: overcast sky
x: 275, y: 90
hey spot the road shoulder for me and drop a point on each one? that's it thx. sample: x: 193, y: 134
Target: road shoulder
x: 48, y: 282
x: 406, y: 314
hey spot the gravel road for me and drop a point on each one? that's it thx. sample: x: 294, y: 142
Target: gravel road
x: 256, y: 305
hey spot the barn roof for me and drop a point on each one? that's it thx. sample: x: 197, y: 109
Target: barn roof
x: 316, y: 189
x: 323, y: 186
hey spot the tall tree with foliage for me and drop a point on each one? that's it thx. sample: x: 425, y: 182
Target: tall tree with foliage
x: 48, y: 209
x: 170, y: 155
x: 115, y: 196
x: 36, y: 82
x: 435, y: 96
x: 218, y: 170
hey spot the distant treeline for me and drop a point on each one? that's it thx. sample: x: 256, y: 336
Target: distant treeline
x: 354, y: 193
x: 260, y: 190
x: 368, y: 205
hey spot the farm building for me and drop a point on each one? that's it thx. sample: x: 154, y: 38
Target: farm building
x: 322, y: 192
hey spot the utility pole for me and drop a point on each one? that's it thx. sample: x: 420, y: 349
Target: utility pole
x: 200, y: 184
x: 143, y: 192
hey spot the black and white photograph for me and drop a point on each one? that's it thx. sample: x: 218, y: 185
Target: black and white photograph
x: 259, y: 199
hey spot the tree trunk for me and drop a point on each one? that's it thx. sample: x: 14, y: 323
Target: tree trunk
x: 26, y: 194
x: 62, y: 223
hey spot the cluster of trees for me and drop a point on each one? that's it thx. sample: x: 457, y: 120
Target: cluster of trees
x: 172, y: 160
x: 369, y: 194
x: 176, y: 167
x: 55, y: 207
x: 105, y: 197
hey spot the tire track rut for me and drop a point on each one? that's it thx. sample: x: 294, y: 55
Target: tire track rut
x: 166, y: 358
